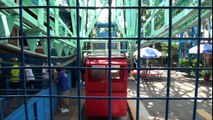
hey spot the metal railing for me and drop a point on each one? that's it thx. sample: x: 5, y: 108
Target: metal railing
x: 78, y: 66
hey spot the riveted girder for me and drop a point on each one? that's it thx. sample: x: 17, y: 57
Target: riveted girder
x: 45, y: 45
x: 155, y: 25
x: 7, y: 24
x: 58, y: 48
x: 32, y: 43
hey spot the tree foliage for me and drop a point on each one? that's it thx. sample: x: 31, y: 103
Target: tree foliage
x: 174, y: 51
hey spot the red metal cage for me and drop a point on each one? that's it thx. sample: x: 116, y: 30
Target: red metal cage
x: 97, y: 85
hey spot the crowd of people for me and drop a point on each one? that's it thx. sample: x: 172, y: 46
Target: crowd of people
x: 59, y: 77
x: 15, y: 74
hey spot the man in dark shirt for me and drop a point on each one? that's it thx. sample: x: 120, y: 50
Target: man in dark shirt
x: 62, y: 80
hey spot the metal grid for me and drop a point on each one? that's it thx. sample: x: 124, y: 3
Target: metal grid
x: 138, y: 39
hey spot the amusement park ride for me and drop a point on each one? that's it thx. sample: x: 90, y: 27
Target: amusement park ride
x: 98, y: 80
x: 65, y: 29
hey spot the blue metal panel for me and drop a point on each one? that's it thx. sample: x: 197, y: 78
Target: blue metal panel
x: 123, y: 47
x: 1, y: 108
x: 35, y: 2
x: 100, y: 33
x: 19, y: 113
x: 42, y: 107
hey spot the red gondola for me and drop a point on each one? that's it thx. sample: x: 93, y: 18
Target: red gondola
x: 97, y: 84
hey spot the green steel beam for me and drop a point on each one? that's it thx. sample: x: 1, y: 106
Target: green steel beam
x: 67, y: 49
x: 72, y: 51
x: 152, y: 3
x: 59, y: 47
x: 134, y: 20
x: 52, y: 2
x: 35, y: 11
x: 95, y: 20
x: 7, y: 23
x: 120, y: 29
x: 119, y: 14
x: 157, y: 3
x: 94, y: 40
x: 32, y: 43
x: 166, y: 20
x: 185, y: 19
x: 134, y: 33
x: 126, y: 3
x: 131, y: 25
x: 105, y: 50
x: 73, y: 17
x: 56, y: 16
x: 83, y: 23
x: 188, y: 23
x: 166, y: 14
x: 177, y: 30
x: 38, y: 25
x: 41, y: 15
x: 44, y: 45
x: 179, y: 2
x: 83, y: 20
x: 181, y: 22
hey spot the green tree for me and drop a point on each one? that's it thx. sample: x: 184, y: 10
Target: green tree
x: 174, y: 52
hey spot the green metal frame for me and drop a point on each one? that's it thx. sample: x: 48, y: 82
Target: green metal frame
x: 155, y: 26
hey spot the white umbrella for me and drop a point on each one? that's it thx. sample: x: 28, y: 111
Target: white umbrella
x: 204, y: 48
x: 148, y: 52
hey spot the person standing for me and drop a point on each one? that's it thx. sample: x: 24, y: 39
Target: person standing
x: 29, y: 76
x: 15, y: 74
x: 45, y: 71
x: 45, y: 74
x: 63, y: 81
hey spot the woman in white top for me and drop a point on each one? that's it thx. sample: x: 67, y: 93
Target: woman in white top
x: 45, y: 71
x: 45, y: 74
x: 29, y: 77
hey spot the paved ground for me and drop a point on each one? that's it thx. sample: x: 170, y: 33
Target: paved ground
x: 73, y: 107
x: 180, y: 87
x: 73, y: 114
